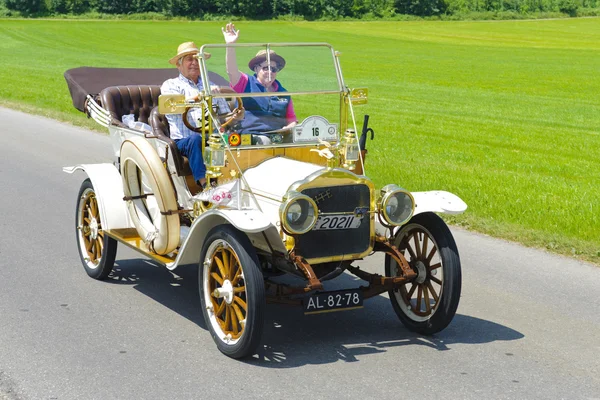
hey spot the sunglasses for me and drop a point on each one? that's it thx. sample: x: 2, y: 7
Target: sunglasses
x: 273, y: 69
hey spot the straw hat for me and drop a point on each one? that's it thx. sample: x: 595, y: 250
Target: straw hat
x: 261, y: 57
x: 185, y: 49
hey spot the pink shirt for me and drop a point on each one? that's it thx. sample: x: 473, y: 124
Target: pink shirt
x: 239, y: 87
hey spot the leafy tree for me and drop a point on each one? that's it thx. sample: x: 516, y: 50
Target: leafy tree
x: 78, y: 6
x: 422, y: 7
x: 113, y: 6
x: 26, y: 6
x: 59, y: 6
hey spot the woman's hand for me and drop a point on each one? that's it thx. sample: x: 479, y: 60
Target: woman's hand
x: 230, y: 34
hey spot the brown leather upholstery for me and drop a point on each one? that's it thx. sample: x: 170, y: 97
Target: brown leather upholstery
x: 132, y: 99
x: 160, y: 128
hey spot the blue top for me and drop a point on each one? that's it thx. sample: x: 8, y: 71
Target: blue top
x: 263, y: 113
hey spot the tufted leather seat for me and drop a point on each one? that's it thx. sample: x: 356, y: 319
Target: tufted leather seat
x: 131, y: 99
x: 160, y: 128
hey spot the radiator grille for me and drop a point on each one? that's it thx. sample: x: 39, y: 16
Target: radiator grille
x: 329, y: 243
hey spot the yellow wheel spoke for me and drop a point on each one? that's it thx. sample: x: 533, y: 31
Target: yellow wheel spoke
x: 226, y: 266
x: 410, y: 251
x: 237, y: 276
x: 426, y: 298
x: 417, y: 247
x: 227, y: 318
x: 99, y: 246
x: 430, y: 256
x: 93, y: 251
x: 219, y: 309
x: 238, y: 312
x: 436, y: 280
x: 234, y: 320
x: 94, y: 206
x: 419, y: 296
x: 239, y: 289
x: 233, y: 267
x: 220, y: 265
x: 241, y: 302
x: 411, y: 291
x: 434, y: 266
x: 436, y: 298
x: 217, y: 278
x: 425, y: 242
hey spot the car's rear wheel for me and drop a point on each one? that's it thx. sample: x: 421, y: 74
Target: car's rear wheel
x: 96, y: 249
x: 232, y: 291
x: 428, y: 303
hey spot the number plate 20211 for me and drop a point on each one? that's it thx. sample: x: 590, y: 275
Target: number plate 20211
x: 340, y: 300
x: 337, y: 222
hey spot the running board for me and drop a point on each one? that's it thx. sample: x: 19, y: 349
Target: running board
x: 130, y: 238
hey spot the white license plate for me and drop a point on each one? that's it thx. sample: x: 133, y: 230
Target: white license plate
x: 337, y: 222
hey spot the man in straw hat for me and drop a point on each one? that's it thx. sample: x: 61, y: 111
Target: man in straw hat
x: 189, y: 83
x: 263, y: 114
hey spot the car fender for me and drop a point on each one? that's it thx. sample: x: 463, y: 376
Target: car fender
x: 437, y: 201
x: 261, y: 232
x: 108, y: 187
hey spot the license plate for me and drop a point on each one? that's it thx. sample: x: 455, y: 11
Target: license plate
x: 340, y: 300
x: 337, y: 222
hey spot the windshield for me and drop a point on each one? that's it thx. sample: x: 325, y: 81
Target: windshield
x: 290, y: 92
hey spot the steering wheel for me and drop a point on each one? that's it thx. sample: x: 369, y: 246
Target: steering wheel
x: 237, y: 114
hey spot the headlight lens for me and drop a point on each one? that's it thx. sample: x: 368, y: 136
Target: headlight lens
x: 397, y: 205
x: 298, y: 213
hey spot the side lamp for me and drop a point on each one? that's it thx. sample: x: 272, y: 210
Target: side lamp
x: 214, y: 156
x: 350, y: 150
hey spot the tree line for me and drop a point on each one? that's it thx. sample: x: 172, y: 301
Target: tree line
x: 299, y: 9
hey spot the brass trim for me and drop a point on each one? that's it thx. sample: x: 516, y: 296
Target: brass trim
x: 341, y: 177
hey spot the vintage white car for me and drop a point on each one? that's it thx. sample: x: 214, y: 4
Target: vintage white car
x: 299, y: 203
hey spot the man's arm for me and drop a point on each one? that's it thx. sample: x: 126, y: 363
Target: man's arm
x: 233, y: 71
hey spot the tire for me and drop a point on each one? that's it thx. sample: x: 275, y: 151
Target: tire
x: 430, y: 250
x: 144, y: 174
x: 97, y: 250
x: 235, y: 316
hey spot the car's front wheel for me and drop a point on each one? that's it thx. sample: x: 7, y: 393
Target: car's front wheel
x: 232, y: 291
x: 96, y: 249
x: 428, y: 303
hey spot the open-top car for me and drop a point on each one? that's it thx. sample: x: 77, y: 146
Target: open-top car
x: 288, y: 201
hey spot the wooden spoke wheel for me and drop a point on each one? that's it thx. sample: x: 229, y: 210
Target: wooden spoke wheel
x: 428, y: 303
x: 232, y: 291
x: 96, y: 250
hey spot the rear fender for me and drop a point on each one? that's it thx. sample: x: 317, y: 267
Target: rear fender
x: 252, y: 222
x: 108, y: 187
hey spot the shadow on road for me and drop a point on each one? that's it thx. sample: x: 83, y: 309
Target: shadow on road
x: 291, y: 339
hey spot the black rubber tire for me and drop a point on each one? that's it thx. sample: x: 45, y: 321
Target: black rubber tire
x: 443, y: 310
x: 90, y: 234
x: 253, y: 295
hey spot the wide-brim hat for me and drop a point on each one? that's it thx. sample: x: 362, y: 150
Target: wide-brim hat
x: 187, y: 48
x: 261, y: 57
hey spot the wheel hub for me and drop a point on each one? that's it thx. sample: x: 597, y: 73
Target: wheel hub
x: 225, y: 291
x: 421, y: 272
x: 94, y: 228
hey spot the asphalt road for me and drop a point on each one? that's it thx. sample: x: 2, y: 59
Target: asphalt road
x: 527, y: 327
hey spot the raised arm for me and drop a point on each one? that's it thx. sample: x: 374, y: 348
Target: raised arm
x: 231, y: 36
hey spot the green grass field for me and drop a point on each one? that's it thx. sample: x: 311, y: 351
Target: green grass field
x: 504, y: 114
